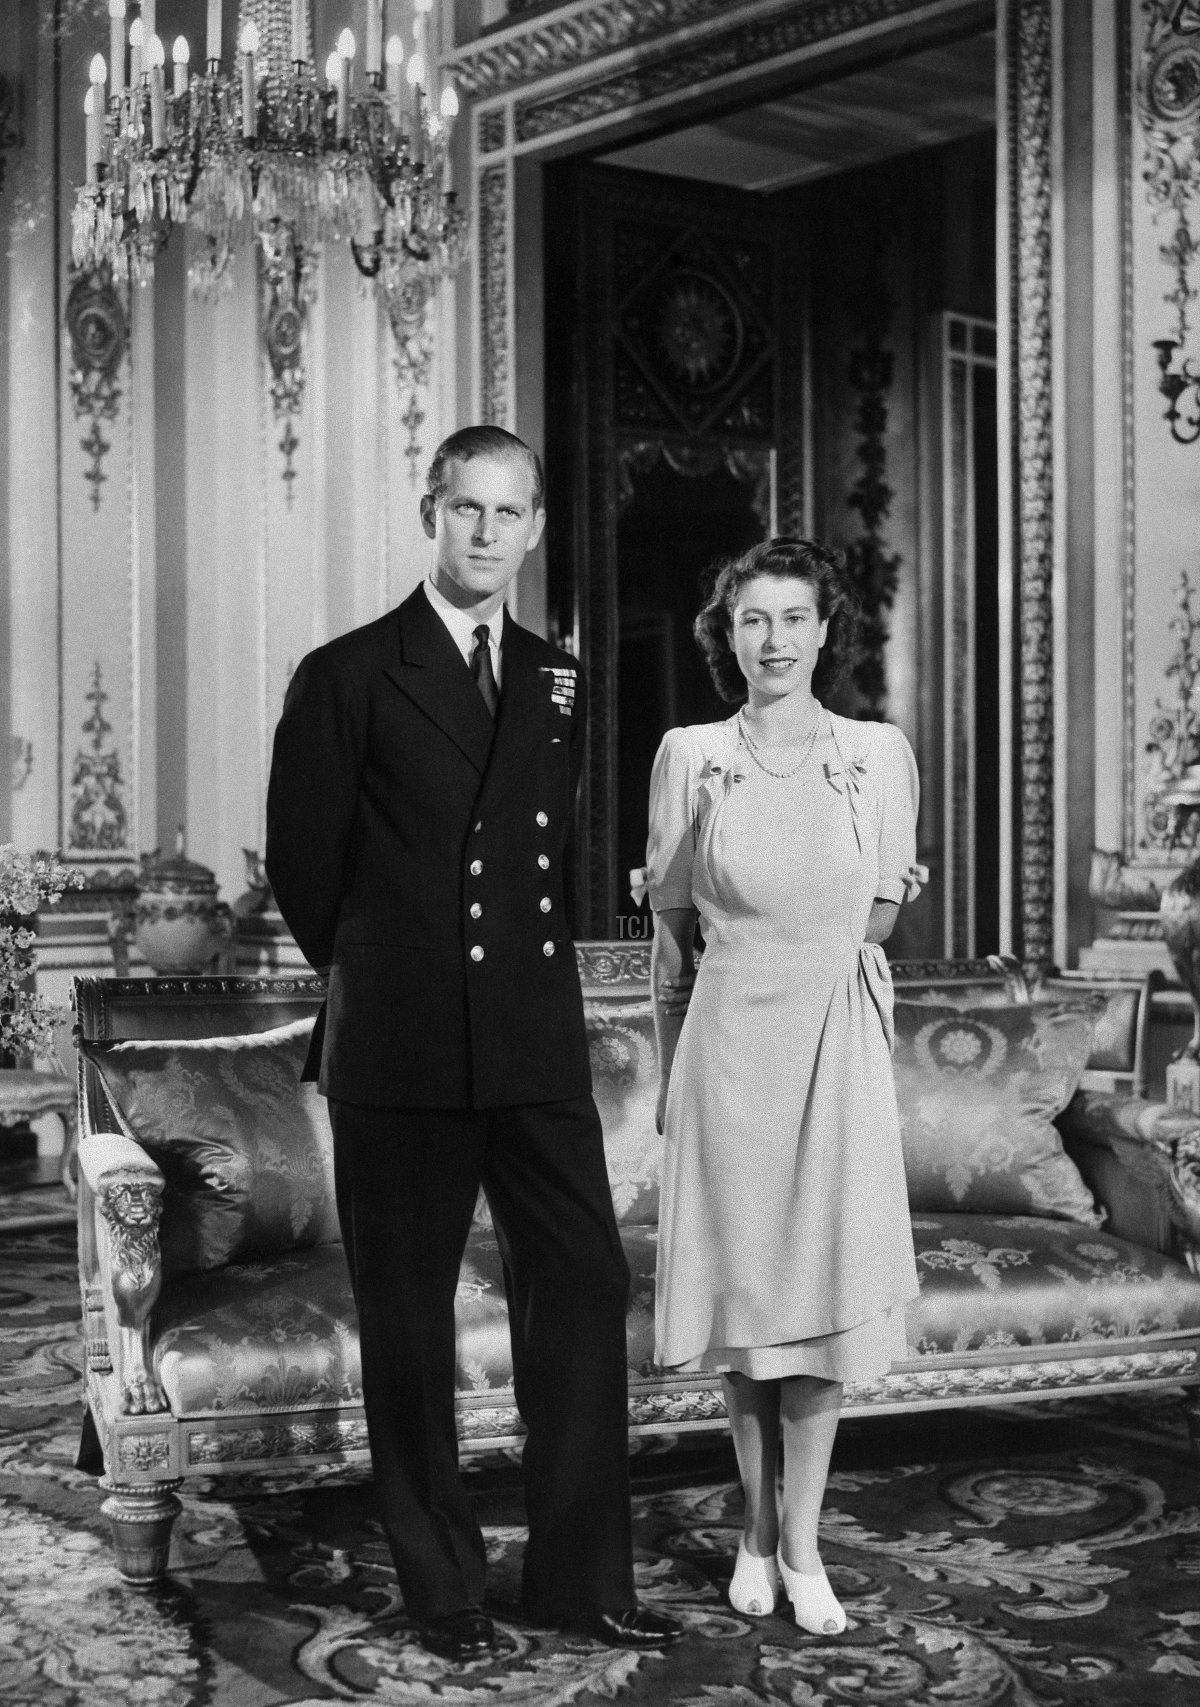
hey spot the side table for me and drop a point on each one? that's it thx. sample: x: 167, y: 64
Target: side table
x: 26, y: 1093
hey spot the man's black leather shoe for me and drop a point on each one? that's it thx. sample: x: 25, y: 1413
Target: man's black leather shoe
x: 459, y: 1636
x: 637, y: 1628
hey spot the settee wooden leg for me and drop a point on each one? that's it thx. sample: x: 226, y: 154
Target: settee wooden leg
x: 141, y: 1520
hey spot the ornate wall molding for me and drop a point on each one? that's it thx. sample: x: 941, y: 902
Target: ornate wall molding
x: 1168, y: 91
x: 97, y: 323
x: 1129, y: 755
x: 545, y: 47
x: 492, y: 202
x: 682, y: 67
x: 99, y: 819
x: 1030, y: 113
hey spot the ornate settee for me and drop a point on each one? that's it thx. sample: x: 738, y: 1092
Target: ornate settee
x: 220, y: 1333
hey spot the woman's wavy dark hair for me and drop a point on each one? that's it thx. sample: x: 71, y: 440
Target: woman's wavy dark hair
x: 791, y: 559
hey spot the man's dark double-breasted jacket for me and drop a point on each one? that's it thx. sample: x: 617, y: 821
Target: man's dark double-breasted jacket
x: 415, y: 848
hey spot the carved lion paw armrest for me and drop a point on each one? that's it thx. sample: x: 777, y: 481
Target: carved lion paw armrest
x: 126, y: 1189
x: 1142, y: 1159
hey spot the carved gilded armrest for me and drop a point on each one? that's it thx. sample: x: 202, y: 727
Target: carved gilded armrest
x: 1142, y: 1160
x: 127, y: 1191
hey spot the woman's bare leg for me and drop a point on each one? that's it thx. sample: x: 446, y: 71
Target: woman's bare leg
x: 809, y: 1409
x: 753, y: 1408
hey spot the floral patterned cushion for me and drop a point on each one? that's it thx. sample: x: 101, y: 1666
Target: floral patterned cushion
x: 245, y: 1148
x: 484, y: 1353
x: 978, y: 1091
x: 283, y: 1335
x: 989, y: 1282
x: 260, y: 1336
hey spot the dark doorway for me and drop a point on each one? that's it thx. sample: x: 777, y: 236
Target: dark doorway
x: 674, y: 437
x: 673, y: 529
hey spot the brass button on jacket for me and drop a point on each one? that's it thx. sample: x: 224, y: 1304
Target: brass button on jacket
x: 542, y: 819
x: 547, y: 949
x: 544, y: 861
x: 476, y: 867
x: 477, y: 952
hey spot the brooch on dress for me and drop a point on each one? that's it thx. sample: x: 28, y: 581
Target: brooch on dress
x: 562, y: 686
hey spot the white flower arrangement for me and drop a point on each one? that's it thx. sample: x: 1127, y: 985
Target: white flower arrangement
x: 27, y: 1020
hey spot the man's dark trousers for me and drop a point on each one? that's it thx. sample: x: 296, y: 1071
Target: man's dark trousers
x: 406, y: 1188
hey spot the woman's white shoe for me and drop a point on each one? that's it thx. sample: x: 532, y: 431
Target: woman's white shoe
x: 817, y: 1608
x: 755, y: 1586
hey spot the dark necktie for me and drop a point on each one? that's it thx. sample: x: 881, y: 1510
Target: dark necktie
x: 481, y: 668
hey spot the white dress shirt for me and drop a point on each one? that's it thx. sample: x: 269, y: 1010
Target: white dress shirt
x: 462, y: 625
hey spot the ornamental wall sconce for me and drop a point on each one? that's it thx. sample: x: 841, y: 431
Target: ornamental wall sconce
x: 1169, y: 104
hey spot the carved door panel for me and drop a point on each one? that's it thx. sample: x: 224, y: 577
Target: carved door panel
x: 675, y: 433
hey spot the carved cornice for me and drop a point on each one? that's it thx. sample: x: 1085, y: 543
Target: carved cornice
x: 547, y: 46
x: 681, y: 67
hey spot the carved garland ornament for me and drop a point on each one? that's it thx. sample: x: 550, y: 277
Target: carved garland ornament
x: 99, y: 821
x: 98, y: 333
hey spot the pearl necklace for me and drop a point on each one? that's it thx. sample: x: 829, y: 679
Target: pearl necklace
x: 755, y: 752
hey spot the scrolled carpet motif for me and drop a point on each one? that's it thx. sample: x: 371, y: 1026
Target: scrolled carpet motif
x: 986, y: 1559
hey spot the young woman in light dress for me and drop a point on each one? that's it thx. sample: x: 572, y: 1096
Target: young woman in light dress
x: 785, y: 1253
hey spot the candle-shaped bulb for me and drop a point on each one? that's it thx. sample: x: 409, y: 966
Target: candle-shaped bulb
x: 116, y: 8
x: 333, y: 68
x: 181, y: 53
x: 416, y: 69
x: 346, y: 45
x: 92, y: 131
x: 156, y: 54
x: 98, y: 70
x: 137, y: 35
x: 449, y: 102
x: 422, y: 5
x: 393, y: 53
x: 249, y: 38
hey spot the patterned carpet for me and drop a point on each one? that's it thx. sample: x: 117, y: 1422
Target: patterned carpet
x: 984, y: 1559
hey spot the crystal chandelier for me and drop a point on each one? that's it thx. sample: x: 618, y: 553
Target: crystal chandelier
x: 267, y: 150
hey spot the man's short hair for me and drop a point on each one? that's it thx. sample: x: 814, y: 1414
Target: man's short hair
x: 483, y: 441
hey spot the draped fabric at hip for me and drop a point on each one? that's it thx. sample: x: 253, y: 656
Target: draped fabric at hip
x: 785, y: 1245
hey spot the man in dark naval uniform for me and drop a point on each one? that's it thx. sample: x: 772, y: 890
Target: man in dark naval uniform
x: 423, y: 780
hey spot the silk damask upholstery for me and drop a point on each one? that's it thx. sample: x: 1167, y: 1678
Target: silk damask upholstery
x: 245, y: 1148
x: 993, y: 1281
x: 281, y: 1334
x: 978, y: 1090
x: 272, y: 1335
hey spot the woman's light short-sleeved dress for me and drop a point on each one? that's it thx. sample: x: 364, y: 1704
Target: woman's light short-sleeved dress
x: 784, y: 1238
